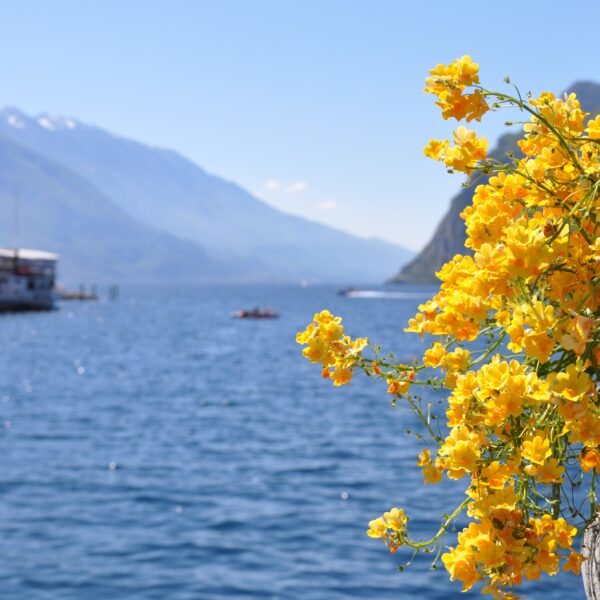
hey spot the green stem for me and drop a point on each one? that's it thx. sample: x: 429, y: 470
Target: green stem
x: 442, y: 530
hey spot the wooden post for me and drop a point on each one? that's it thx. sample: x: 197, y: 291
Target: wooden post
x: 590, y: 568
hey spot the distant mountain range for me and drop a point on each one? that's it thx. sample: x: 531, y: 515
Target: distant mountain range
x: 449, y: 237
x: 119, y: 210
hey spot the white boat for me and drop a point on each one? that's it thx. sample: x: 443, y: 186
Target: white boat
x: 27, y: 279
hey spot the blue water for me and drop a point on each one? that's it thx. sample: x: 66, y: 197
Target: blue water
x: 156, y: 448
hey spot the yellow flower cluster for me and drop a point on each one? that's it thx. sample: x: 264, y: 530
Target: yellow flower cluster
x: 534, y: 277
x: 448, y: 82
x: 503, y: 549
x: 391, y: 528
x: 467, y: 151
x: 399, y: 385
x: 523, y: 411
x: 453, y: 363
x: 326, y: 344
x: 431, y: 473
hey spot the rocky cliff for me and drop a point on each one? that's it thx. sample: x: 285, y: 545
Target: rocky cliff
x: 449, y: 237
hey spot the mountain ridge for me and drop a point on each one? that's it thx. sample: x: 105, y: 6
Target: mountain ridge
x: 164, y: 190
x: 57, y: 208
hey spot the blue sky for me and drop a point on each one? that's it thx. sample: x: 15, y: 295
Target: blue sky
x: 316, y: 106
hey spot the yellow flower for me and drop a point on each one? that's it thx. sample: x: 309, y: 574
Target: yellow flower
x: 476, y: 106
x: 460, y: 73
x: 358, y: 345
x: 536, y: 450
x: 325, y: 343
x: 538, y: 345
x: 424, y: 458
x: 467, y: 152
x: 467, y: 72
x: 589, y: 459
x: 551, y: 471
x: 377, y: 529
x: 578, y: 333
x: 341, y: 376
x: 460, y: 452
x: 395, y: 519
x: 461, y: 565
x: 465, y: 456
x: 436, y: 149
x: 548, y: 561
x: 573, y: 563
x: 572, y: 383
x: 434, y: 355
x: 495, y: 475
x: 490, y: 552
x: 458, y: 360
x: 448, y: 84
x: 397, y: 387
x: 431, y: 474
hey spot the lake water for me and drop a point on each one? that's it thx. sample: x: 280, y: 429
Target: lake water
x: 154, y: 447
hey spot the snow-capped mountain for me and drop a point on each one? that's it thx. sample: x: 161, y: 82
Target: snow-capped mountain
x: 165, y: 191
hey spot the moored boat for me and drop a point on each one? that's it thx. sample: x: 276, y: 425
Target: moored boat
x: 27, y: 279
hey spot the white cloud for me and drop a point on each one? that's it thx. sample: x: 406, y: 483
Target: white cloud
x: 327, y: 205
x: 274, y: 185
x: 294, y: 188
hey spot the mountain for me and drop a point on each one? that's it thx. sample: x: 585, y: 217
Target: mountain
x: 165, y: 191
x: 449, y: 237
x: 98, y: 242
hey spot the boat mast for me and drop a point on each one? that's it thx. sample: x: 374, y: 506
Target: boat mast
x: 15, y: 231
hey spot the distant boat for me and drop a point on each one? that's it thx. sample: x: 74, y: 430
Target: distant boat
x: 256, y: 313
x: 346, y: 291
x: 27, y: 279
